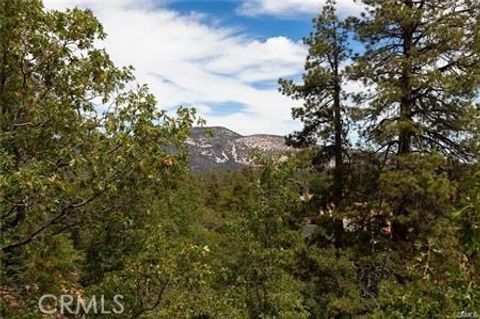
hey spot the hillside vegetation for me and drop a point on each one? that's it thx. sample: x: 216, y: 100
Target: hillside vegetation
x: 93, y: 202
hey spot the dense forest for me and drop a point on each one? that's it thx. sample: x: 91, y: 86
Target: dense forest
x: 376, y: 214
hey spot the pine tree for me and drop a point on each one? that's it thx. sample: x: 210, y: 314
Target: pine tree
x: 323, y: 112
x: 422, y: 62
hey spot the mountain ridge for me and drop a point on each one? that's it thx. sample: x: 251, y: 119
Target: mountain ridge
x: 217, y: 147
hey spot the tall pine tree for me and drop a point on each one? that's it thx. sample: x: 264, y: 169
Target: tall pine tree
x: 423, y: 65
x: 323, y: 112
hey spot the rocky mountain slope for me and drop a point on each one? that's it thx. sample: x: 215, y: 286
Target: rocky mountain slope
x: 220, y: 148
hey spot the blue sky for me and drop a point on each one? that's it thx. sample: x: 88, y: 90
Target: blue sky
x: 257, y: 26
x: 222, y: 57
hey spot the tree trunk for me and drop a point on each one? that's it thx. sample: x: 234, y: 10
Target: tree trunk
x: 338, y: 128
x: 338, y: 171
x: 406, y: 121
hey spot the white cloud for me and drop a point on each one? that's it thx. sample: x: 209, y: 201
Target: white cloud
x: 187, y: 60
x: 288, y: 8
x: 96, y: 4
